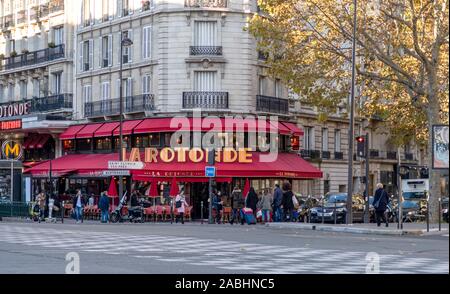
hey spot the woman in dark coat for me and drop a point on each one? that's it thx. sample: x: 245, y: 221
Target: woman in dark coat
x: 380, y: 203
x: 287, y: 203
x: 252, y: 200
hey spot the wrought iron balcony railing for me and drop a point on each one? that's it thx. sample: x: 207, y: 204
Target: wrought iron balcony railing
x: 409, y: 156
x: 391, y: 155
x: 206, y: 50
x: 51, y: 103
x: 272, y: 104
x: 47, y: 104
x: 140, y: 103
x: 33, y: 58
x: 56, y: 5
x: 374, y: 153
x: 311, y: 154
x: 205, y: 100
x: 339, y: 155
x: 206, y: 3
x: 326, y: 155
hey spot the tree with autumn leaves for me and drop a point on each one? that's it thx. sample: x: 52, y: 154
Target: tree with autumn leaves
x: 402, y: 60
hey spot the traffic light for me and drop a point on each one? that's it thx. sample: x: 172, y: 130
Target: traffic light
x: 361, y: 146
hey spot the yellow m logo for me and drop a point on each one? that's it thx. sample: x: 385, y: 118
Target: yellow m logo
x: 15, y: 151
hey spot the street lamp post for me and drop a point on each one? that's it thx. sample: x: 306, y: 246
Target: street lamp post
x: 125, y: 42
x: 352, y: 121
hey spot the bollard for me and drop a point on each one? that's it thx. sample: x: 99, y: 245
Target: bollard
x: 63, y: 213
x: 201, y: 212
x: 439, y: 213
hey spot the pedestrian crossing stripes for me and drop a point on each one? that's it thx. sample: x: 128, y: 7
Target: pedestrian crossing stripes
x: 232, y: 256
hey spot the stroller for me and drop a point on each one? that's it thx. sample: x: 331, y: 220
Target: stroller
x: 35, y: 212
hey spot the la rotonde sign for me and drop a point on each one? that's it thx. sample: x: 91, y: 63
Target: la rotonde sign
x: 15, y: 109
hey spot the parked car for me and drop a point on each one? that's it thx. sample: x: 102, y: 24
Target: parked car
x: 335, y: 208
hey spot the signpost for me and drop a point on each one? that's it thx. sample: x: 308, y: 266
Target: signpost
x: 127, y: 165
x: 13, y: 151
x: 114, y: 173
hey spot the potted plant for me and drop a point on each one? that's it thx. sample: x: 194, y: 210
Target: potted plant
x: 13, y: 54
x: 51, y: 45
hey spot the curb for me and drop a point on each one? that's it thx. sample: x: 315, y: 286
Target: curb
x: 353, y: 230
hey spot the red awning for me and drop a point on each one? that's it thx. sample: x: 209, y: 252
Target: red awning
x: 127, y: 127
x: 286, y: 165
x: 35, y: 142
x: 43, y: 141
x: 154, y: 125
x: 295, y: 130
x: 106, y: 130
x: 71, y: 132
x: 88, y: 131
x: 28, y: 141
x: 282, y: 129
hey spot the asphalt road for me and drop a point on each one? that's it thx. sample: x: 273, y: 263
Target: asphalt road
x: 205, y: 249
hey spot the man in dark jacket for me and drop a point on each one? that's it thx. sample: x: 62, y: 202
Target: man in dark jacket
x: 277, y: 198
x: 237, y: 203
x: 287, y: 203
x: 103, y: 204
x: 380, y: 202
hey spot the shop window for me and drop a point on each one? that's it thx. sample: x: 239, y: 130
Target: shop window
x: 126, y: 142
x: 84, y: 145
x: 103, y: 144
x: 141, y: 141
x: 155, y: 140
x: 69, y: 145
x: 167, y: 137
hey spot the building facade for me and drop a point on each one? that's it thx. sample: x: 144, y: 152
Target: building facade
x: 36, y: 75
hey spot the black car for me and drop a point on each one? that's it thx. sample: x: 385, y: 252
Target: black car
x: 333, y: 209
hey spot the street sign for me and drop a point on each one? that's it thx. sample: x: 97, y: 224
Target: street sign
x: 112, y: 173
x: 125, y: 165
x: 210, y: 171
x: 12, y: 150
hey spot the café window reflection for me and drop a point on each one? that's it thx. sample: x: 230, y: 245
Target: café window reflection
x: 126, y: 142
x: 69, y: 145
x: 84, y: 144
x: 103, y: 144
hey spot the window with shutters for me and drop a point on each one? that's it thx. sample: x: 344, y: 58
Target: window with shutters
x: 57, y: 79
x: 23, y: 89
x: 87, y: 55
x: 146, y: 84
x: 127, y: 50
x: 205, y: 81
x: 324, y: 139
x: 308, y: 139
x: 87, y: 93
x: 106, y: 51
x: 337, y: 141
x: 87, y: 15
x: 205, y: 34
x: 147, y: 42
x: 262, y: 85
x: 58, y: 35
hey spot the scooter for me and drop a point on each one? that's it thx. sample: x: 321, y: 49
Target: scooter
x: 122, y: 213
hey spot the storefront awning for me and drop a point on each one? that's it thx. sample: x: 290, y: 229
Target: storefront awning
x: 28, y: 141
x: 33, y: 144
x: 106, y: 130
x: 286, y: 165
x: 283, y: 130
x: 88, y: 131
x: 44, y: 139
x: 71, y: 132
x: 295, y: 130
x: 127, y: 127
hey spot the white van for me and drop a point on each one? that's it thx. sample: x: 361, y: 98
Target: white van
x: 414, y: 190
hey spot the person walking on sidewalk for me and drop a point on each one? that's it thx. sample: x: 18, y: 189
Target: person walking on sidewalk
x: 79, y: 204
x: 380, y: 202
x: 252, y: 200
x: 237, y: 202
x: 277, y: 199
x: 180, y: 205
x: 266, y: 206
x: 287, y: 203
x: 103, y: 204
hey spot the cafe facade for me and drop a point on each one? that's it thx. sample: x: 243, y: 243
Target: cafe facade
x: 159, y: 150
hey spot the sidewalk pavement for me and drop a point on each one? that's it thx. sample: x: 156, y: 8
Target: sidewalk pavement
x: 415, y: 229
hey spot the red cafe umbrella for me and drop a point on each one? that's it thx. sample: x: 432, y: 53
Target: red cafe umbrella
x: 112, y: 190
x: 174, y: 191
x: 153, y: 191
x: 246, y: 188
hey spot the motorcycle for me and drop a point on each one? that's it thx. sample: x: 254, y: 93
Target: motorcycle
x: 123, y: 213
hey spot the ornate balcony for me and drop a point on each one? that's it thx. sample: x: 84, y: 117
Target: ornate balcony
x: 206, y: 50
x: 205, y: 100
x: 33, y: 58
x: 21, y: 17
x: 272, y: 104
x: 310, y: 154
x: 206, y: 3
x: 326, y: 155
x: 52, y: 103
x: 132, y: 104
x: 56, y: 5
